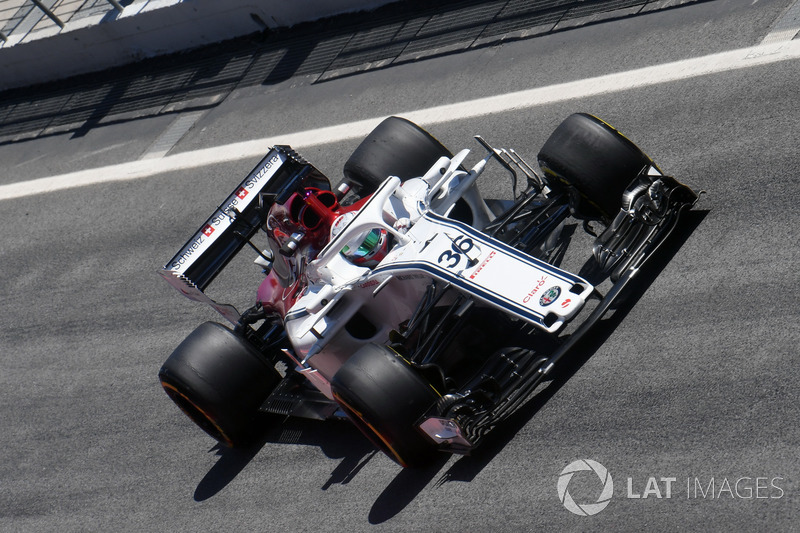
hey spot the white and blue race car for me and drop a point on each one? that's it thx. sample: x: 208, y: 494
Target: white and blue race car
x: 403, y: 299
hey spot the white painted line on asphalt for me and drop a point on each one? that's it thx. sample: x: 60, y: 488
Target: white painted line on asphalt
x: 610, y: 83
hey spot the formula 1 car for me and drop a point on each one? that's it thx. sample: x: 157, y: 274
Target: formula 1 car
x: 404, y: 300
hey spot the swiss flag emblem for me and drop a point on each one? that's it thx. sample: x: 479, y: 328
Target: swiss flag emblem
x: 241, y: 193
x: 208, y: 230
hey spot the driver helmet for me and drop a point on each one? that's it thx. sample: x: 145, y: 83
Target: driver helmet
x: 368, y: 249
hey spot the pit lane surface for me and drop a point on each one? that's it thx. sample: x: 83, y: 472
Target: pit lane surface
x: 696, y: 381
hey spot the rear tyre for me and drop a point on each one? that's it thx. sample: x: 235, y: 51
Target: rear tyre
x: 593, y: 163
x: 385, y: 398
x: 396, y: 147
x: 219, y: 380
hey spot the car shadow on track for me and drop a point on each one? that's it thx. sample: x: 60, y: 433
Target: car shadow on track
x: 342, y: 441
x: 336, y: 439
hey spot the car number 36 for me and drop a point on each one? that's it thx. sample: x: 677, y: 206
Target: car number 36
x: 460, y: 247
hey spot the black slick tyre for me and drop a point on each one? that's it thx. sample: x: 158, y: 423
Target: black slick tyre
x: 219, y: 380
x: 396, y: 147
x: 385, y: 398
x: 593, y: 162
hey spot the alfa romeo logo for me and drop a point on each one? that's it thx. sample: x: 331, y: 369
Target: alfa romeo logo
x: 549, y: 296
x: 585, y: 509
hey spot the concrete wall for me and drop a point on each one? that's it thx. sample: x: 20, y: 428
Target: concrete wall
x: 151, y: 28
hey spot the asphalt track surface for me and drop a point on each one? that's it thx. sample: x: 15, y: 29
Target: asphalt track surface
x: 695, y: 379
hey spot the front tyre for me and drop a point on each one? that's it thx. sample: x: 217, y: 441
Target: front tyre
x: 385, y: 398
x: 219, y: 381
x: 593, y: 163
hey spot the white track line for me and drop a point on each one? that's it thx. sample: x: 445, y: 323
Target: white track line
x: 610, y: 83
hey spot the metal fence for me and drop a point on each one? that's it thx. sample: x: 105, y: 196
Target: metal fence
x: 19, y: 18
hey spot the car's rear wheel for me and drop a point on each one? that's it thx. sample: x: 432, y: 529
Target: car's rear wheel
x: 593, y: 163
x: 396, y: 147
x: 219, y: 380
x: 385, y: 398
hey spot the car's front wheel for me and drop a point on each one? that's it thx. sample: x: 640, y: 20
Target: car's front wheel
x: 592, y: 162
x: 385, y: 398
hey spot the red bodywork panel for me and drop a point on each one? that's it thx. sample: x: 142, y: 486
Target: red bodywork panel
x: 310, y: 213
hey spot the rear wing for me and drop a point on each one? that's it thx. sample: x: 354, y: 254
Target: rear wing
x: 276, y: 177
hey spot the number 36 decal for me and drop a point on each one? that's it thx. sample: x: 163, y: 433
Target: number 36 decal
x: 461, y: 246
